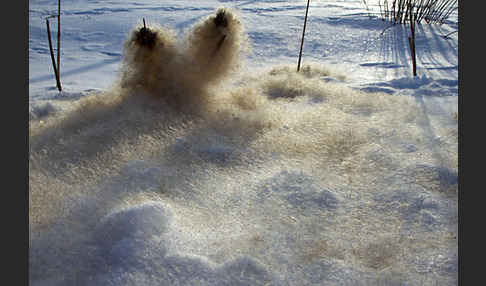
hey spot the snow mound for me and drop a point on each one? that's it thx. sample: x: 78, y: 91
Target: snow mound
x: 129, y: 246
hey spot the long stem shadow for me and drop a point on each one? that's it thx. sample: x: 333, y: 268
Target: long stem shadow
x: 394, y: 47
x: 76, y: 70
x: 437, y: 51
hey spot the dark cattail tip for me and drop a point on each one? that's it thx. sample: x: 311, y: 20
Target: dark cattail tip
x: 145, y: 37
x: 220, y: 20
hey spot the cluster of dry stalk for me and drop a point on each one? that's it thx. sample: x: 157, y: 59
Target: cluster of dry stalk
x: 414, y: 11
x: 430, y: 11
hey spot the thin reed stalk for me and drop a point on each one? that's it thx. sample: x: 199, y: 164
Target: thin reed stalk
x: 56, y: 72
x: 303, y: 33
x: 411, y: 40
x: 59, y: 44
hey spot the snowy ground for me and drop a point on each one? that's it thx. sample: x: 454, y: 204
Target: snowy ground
x: 344, y: 174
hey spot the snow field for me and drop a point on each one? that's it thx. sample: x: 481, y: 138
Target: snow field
x: 171, y: 177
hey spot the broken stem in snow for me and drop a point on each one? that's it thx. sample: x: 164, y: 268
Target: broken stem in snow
x: 447, y: 36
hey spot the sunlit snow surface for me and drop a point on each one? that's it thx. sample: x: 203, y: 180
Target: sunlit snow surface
x: 238, y: 171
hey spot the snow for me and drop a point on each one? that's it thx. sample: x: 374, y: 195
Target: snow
x: 240, y: 171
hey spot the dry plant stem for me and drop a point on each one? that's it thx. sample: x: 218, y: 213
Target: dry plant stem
x: 447, y: 36
x: 59, y: 46
x: 447, y: 10
x: 411, y: 40
x: 427, y: 9
x: 58, y: 83
x: 432, y: 11
x: 303, y: 33
x: 384, y: 30
x: 451, y: 9
x: 420, y: 11
x: 444, y: 9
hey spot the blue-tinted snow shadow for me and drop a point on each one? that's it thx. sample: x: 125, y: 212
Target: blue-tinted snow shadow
x: 355, y: 20
x: 446, y: 51
x: 249, y: 2
x: 428, y: 130
x: 130, y: 246
x: 418, y: 195
x: 182, y: 26
x: 394, y: 50
x: 224, y: 144
x: 417, y: 86
x: 386, y: 65
x: 327, y: 271
x: 269, y: 44
x: 299, y: 191
x: 108, y: 10
x: 374, y: 88
x: 117, y: 58
x: 432, y: 51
